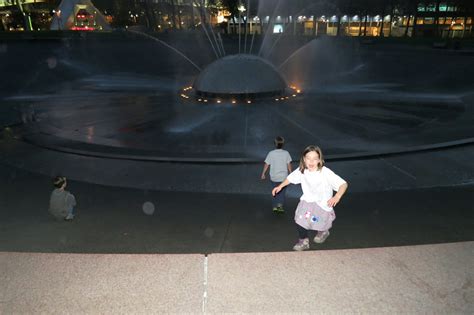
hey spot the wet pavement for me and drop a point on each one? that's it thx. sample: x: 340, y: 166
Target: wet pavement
x: 127, y: 141
x: 126, y: 220
x: 144, y: 125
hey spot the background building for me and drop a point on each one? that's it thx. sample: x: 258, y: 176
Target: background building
x: 78, y: 15
x: 394, y: 18
x: 21, y: 15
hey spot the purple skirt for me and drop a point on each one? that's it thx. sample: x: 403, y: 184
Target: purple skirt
x: 311, y: 216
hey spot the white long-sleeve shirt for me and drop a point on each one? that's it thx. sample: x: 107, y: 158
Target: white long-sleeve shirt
x: 317, y: 186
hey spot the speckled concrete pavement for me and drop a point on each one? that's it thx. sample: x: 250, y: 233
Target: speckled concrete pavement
x: 428, y: 279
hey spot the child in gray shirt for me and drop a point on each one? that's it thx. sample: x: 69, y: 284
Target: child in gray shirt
x: 279, y: 163
x: 61, y: 202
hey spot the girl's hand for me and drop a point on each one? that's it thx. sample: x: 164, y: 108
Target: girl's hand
x: 276, y: 190
x: 262, y: 177
x: 333, y: 201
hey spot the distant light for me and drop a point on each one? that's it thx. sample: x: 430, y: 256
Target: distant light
x: 233, y: 102
x: 249, y: 101
x: 219, y: 101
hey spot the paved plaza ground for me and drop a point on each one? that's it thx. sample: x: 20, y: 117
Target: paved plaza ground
x: 113, y: 219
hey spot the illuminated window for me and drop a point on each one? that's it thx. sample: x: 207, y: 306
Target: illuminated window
x: 278, y: 28
x: 429, y: 20
x: 443, y: 7
x: 431, y: 7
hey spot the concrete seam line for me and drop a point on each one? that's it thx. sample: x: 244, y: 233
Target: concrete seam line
x: 204, y: 295
x: 399, y: 169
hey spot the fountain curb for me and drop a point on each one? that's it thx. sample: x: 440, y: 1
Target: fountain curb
x: 237, y: 160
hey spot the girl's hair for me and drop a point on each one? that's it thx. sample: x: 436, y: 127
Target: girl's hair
x: 311, y: 148
x: 59, y: 181
x: 279, y: 142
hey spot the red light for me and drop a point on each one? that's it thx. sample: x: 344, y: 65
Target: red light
x: 85, y: 28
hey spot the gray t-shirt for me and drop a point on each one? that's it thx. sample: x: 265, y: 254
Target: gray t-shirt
x: 60, y: 202
x: 278, y: 160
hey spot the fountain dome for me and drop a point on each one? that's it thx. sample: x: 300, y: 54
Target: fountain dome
x: 242, y: 75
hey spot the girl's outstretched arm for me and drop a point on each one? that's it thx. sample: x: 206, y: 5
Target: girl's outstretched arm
x: 337, y: 197
x: 277, y: 189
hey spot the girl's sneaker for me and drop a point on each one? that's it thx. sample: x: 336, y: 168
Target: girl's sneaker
x: 69, y: 217
x: 321, y: 237
x: 303, y: 244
